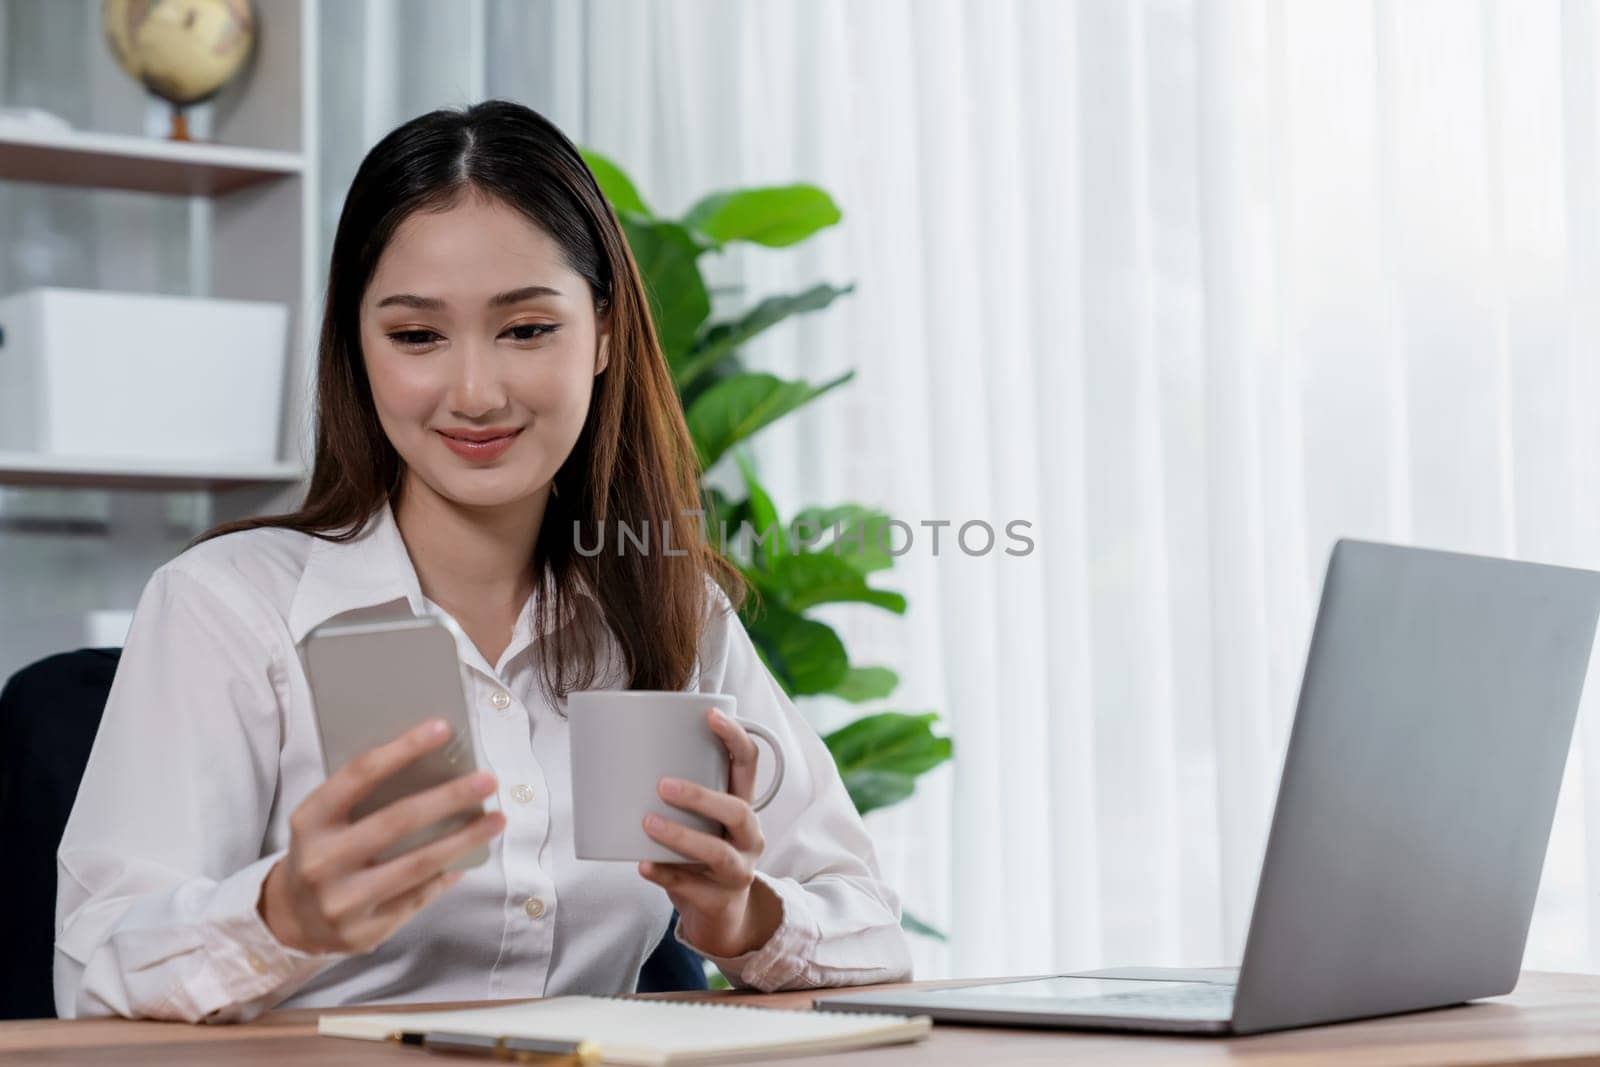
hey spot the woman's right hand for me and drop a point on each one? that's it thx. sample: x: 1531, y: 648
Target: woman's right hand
x: 327, y: 894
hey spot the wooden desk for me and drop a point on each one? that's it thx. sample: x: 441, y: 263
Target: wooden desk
x: 1550, y: 1019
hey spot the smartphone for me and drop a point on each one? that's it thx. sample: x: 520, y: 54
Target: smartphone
x: 371, y: 681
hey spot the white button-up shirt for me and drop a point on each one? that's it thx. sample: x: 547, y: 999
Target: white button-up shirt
x: 208, y: 743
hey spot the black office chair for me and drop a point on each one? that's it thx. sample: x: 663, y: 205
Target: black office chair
x: 49, y: 712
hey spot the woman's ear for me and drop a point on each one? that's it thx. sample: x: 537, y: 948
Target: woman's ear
x: 602, y: 355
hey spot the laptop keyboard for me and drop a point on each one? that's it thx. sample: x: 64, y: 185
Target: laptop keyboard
x: 1182, y: 1001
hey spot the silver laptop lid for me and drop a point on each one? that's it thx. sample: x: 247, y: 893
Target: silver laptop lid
x: 1419, y: 785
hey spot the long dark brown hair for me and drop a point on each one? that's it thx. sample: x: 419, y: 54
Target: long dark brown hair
x: 634, y: 462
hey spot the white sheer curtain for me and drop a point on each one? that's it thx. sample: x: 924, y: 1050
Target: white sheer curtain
x: 1194, y: 288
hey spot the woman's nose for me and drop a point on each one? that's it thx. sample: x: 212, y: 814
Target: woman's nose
x: 476, y: 389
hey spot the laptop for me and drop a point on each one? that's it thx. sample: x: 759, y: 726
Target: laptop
x: 1413, y: 812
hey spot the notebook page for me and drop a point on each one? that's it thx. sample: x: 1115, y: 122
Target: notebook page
x: 649, y: 1032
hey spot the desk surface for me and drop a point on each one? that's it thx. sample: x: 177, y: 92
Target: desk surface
x: 1549, y: 1019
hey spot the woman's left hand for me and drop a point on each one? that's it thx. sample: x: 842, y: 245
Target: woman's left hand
x: 723, y: 909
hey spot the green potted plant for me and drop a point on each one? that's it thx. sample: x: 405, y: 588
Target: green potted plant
x: 822, y: 555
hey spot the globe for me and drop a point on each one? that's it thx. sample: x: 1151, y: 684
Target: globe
x: 183, y: 51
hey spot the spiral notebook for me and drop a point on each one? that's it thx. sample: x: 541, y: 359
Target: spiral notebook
x: 651, y: 1033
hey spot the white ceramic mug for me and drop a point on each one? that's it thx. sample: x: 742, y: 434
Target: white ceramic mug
x: 623, y: 743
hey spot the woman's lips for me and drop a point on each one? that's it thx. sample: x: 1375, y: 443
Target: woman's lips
x: 479, y: 451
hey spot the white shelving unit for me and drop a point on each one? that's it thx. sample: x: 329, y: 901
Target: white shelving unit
x: 254, y: 181
x: 79, y: 536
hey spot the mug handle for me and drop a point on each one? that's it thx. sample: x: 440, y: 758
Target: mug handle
x: 777, y: 754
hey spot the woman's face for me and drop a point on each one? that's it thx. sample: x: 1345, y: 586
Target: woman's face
x: 482, y: 347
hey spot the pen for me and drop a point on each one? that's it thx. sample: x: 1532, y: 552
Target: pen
x: 516, y: 1049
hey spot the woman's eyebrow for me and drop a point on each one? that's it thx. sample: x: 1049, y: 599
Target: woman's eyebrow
x: 517, y: 296
x: 499, y: 300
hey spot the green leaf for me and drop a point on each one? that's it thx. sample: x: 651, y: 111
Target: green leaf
x: 859, y: 535
x: 889, y: 741
x: 667, y: 263
x: 722, y: 514
x: 870, y: 790
x: 720, y: 338
x: 806, y: 656
x: 731, y: 365
x: 736, y: 408
x: 811, y: 578
x: 760, y: 583
x: 765, y: 529
x: 910, y: 922
x: 861, y: 684
x: 616, y: 186
x: 774, y: 216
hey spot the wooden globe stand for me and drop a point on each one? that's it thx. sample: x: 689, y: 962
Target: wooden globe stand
x: 180, y: 125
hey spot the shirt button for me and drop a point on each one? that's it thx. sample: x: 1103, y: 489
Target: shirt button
x: 534, y: 907
x: 500, y: 699
x: 522, y: 794
x: 256, y: 963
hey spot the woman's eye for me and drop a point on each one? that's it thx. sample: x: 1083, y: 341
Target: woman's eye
x: 412, y: 338
x: 530, y: 331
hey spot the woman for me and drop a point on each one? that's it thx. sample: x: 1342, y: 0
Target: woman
x: 488, y: 383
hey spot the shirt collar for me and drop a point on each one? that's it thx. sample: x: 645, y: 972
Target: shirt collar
x: 372, y: 574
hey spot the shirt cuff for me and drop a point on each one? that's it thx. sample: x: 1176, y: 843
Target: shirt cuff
x: 778, y: 962
x: 245, y: 961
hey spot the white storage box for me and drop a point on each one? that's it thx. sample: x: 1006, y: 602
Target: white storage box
x: 135, y: 376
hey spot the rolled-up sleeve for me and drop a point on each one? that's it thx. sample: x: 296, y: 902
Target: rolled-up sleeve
x: 161, y: 865
x: 841, y: 921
